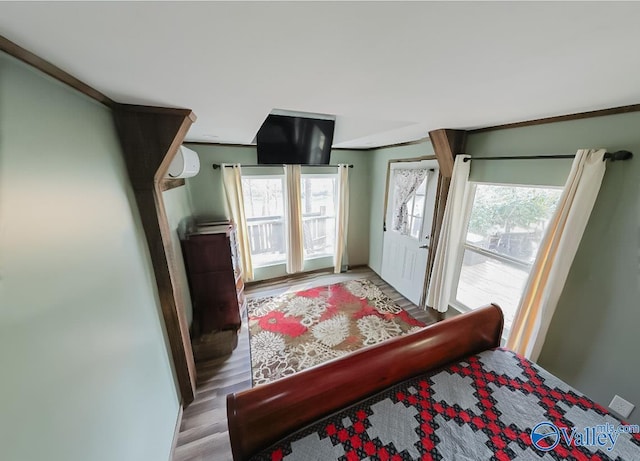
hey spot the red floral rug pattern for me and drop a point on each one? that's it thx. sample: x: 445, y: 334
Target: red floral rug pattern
x: 295, y: 331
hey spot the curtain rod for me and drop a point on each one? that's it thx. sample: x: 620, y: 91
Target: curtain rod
x: 619, y: 155
x: 217, y: 165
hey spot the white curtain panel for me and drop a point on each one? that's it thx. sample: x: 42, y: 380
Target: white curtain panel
x: 443, y: 274
x: 295, y: 242
x: 232, y: 180
x: 342, y: 218
x: 556, y: 253
x: 405, y: 183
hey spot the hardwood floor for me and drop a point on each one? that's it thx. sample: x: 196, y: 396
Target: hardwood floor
x: 203, y: 433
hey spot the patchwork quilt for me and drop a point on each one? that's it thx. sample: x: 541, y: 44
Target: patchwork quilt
x: 493, y: 406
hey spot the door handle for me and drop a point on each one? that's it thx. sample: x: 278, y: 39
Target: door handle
x: 426, y: 245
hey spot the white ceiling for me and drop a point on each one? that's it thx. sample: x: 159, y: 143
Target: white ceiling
x: 389, y: 71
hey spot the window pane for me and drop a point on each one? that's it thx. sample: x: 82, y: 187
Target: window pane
x: 415, y: 210
x: 264, y: 209
x: 415, y: 223
x: 318, y: 215
x: 405, y: 206
x: 510, y: 220
x: 484, y: 280
x: 418, y: 209
x: 507, y: 223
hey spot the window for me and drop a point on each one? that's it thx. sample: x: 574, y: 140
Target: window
x: 264, y: 203
x: 264, y: 209
x: 318, y: 215
x: 505, y: 227
x: 415, y: 209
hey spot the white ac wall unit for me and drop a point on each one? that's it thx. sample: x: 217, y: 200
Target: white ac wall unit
x: 185, y: 164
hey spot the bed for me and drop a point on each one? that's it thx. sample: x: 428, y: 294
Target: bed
x: 445, y: 392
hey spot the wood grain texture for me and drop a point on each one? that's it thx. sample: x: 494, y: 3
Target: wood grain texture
x: 446, y: 145
x: 263, y: 415
x: 150, y: 138
x: 164, y: 111
x: 213, y: 283
x: 204, y: 432
x: 168, y: 184
x: 52, y: 70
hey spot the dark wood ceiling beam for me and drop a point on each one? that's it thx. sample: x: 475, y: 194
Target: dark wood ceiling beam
x: 150, y: 137
x: 562, y: 118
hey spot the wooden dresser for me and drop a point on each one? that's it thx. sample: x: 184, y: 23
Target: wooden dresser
x: 217, y: 290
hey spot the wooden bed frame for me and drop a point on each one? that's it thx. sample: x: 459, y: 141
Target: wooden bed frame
x: 261, y: 416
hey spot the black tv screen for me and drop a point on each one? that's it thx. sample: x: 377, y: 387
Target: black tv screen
x: 290, y: 140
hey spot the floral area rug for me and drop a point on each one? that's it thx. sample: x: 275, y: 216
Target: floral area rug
x: 295, y: 331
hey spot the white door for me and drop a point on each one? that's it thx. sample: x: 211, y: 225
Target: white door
x: 410, y: 206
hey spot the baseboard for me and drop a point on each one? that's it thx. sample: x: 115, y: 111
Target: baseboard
x: 358, y: 266
x: 281, y: 278
x: 176, y: 433
x: 297, y: 275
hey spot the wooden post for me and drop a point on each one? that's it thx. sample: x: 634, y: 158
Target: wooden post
x: 150, y: 137
x: 446, y: 145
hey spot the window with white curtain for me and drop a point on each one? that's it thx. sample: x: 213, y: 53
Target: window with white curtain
x: 265, y: 205
x: 265, y: 210
x: 505, y: 224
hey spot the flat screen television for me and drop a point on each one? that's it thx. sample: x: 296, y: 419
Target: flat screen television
x: 292, y: 140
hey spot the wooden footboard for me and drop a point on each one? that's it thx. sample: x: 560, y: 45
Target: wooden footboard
x: 261, y: 416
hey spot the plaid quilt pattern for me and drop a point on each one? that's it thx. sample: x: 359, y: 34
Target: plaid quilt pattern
x: 482, y: 408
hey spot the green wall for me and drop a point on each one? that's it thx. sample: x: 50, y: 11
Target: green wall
x: 207, y: 197
x: 593, y: 339
x: 177, y: 204
x: 534, y: 171
x: 85, y: 370
x: 378, y: 183
x: 206, y: 190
